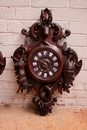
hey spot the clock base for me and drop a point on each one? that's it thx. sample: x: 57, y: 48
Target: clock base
x: 44, y: 107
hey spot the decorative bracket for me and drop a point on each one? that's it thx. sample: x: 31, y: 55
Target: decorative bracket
x: 45, y: 66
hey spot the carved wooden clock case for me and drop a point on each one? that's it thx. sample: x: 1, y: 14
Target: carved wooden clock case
x: 45, y: 66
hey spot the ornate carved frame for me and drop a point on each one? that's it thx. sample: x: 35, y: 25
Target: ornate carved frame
x: 45, y: 34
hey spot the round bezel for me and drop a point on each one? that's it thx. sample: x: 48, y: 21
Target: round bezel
x: 44, y: 63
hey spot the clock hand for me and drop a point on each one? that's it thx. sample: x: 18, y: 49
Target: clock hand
x: 43, y: 62
x: 48, y: 67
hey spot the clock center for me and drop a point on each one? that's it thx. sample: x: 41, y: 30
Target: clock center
x: 45, y: 64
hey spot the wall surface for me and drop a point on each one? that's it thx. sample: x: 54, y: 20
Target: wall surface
x: 18, y: 14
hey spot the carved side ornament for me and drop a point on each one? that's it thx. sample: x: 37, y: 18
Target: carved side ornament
x: 45, y: 66
x: 2, y: 63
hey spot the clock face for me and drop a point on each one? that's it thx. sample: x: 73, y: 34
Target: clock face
x: 44, y: 63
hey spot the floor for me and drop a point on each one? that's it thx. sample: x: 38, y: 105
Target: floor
x: 20, y: 118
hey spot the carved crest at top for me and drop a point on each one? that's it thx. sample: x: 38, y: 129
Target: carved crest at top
x: 45, y: 28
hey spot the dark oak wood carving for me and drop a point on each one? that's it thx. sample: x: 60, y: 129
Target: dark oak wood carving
x: 2, y: 63
x: 45, y: 66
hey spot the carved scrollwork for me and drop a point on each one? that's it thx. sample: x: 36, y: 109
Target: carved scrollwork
x: 19, y: 59
x: 45, y: 66
x: 71, y: 68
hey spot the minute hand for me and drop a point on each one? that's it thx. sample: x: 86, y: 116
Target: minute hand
x: 43, y: 62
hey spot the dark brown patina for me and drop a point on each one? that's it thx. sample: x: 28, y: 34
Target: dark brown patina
x: 45, y: 66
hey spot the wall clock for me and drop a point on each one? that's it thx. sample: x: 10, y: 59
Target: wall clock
x: 45, y: 66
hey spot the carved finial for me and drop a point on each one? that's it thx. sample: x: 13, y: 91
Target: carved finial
x: 46, y: 17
